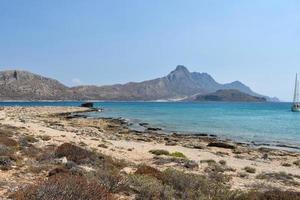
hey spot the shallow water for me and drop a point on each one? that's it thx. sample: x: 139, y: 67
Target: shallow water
x: 271, y: 123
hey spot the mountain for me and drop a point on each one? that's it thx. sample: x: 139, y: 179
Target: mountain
x: 179, y: 84
x: 230, y: 95
x: 22, y: 85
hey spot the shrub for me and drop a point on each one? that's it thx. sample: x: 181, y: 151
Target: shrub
x: 270, y: 195
x: 5, y: 162
x: 250, y: 170
x: 149, y: 171
x: 150, y: 188
x: 159, y: 152
x: 111, y: 179
x: 74, y: 153
x: 5, y: 150
x: 8, y: 142
x: 193, y: 186
x: 222, y: 162
x: 209, y: 162
x: 178, y: 154
x: 63, y: 187
x: 297, y: 162
x: 286, y: 164
x: 281, y: 176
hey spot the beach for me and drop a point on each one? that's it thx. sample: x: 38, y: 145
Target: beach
x: 248, y: 168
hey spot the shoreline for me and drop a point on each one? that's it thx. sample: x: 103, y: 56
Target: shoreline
x: 53, y: 126
x: 276, y: 145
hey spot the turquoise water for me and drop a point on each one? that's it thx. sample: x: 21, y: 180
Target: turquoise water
x: 270, y: 123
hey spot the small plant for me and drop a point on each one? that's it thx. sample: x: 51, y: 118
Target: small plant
x: 250, y: 170
x: 45, y: 137
x: 222, y: 162
x: 149, y: 171
x: 297, y: 163
x: 209, y: 162
x: 177, y: 154
x: 5, y: 162
x: 286, y: 164
x: 159, y: 152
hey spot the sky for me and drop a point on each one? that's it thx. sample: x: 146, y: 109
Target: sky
x: 116, y: 41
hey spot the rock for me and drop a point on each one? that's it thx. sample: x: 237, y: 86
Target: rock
x: 2, y: 115
x: 265, y: 156
x: 154, y: 129
x: 191, y: 164
x: 171, y: 143
x: 70, y: 165
x: 198, y: 146
x: 62, y: 160
x: 59, y: 170
x: 221, y: 145
x: 87, y: 105
x: 103, y: 146
x: 143, y: 124
x: 200, y: 134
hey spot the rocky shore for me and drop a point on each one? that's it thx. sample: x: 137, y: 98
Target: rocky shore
x: 46, y: 129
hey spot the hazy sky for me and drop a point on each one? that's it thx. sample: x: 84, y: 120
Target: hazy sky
x: 116, y: 41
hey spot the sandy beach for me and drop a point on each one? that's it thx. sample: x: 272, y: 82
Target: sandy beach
x: 248, y: 168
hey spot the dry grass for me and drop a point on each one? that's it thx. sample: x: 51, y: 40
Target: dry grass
x: 283, y: 177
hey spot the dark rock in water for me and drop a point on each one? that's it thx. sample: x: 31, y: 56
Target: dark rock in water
x: 144, y: 124
x: 87, y: 105
x: 191, y: 164
x: 221, y: 145
x: 154, y: 129
x: 212, y: 135
x: 201, y: 134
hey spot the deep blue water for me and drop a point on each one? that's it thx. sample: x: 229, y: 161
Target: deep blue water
x: 259, y: 122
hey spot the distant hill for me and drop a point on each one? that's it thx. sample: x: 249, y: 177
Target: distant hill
x: 230, y: 95
x: 179, y: 84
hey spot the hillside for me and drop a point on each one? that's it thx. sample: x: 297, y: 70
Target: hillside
x: 229, y: 96
x: 179, y: 84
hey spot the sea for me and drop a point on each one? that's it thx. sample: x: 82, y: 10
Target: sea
x: 259, y: 124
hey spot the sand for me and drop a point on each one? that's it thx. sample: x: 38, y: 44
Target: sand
x: 120, y: 142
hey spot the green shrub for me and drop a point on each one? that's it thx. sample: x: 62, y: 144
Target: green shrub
x: 159, y: 152
x: 177, y: 154
x: 63, y: 187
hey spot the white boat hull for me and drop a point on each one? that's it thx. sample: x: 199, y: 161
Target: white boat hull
x: 295, y: 109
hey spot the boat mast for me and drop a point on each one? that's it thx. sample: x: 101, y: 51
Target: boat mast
x: 296, y: 92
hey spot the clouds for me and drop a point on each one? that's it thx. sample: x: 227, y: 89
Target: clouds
x: 76, y: 81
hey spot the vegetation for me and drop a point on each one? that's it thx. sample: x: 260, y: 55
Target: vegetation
x: 159, y: 152
x: 177, y: 154
x: 63, y: 187
x: 250, y: 170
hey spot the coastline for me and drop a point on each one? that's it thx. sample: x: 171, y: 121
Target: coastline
x: 114, y: 137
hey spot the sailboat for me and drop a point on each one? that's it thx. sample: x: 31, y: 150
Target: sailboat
x: 296, y: 104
